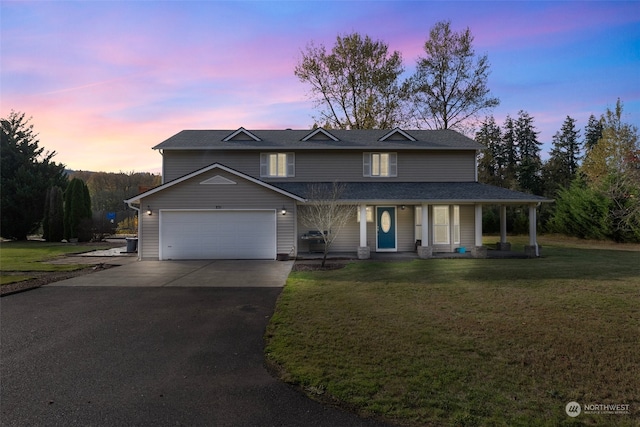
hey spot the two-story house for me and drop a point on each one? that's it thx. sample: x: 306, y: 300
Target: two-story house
x: 235, y: 194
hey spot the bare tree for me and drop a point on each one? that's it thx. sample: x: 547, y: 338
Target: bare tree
x: 325, y: 213
x: 355, y: 85
x: 449, y: 86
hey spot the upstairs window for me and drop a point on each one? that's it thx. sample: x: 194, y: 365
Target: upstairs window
x: 277, y: 165
x: 380, y: 164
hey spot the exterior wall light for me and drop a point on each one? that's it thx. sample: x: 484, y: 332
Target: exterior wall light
x: 149, y: 212
x: 283, y: 211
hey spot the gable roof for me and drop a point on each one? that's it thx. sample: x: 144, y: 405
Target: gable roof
x: 396, y: 134
x: 169, y: 184
x: 374, y: 139
x: 241, y: 135
x: 318, y: 135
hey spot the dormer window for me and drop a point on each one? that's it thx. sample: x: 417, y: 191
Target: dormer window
x: 380, y: 164
x: 277, y: 165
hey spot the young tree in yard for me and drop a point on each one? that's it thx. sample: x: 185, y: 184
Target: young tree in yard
x: 325, y: 213
x: 77, y: 211
x: 355, y: 86
x: 53, y: 222
x: 449, y: 86
x: 26, y: 172
x: 562, y: 166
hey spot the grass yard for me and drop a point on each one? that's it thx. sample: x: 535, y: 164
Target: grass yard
x: 468, y: 342
x: 32, y: 256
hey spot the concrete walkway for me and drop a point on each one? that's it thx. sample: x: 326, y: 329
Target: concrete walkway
x: 203, y: 273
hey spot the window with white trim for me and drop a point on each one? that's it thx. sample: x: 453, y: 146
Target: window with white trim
x: 443, y: 218
x: 456, y: 225
x: 369, y: 214
x: 441, y: 225
x: 379, y: 164
x: 277, y: 165
x: 418, y: 223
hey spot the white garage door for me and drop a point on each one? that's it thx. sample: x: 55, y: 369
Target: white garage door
x: 217, y: 235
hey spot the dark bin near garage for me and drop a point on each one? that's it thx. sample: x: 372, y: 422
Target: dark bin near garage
x: 132, y: 244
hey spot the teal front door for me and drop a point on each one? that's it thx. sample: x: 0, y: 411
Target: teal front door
x: 386, y: 224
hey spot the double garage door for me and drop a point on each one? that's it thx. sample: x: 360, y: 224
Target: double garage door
x: 217, y: 234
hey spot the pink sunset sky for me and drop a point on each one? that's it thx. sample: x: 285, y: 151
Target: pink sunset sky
x: 106, y: 81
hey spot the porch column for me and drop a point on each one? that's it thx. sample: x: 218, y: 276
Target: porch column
x: 478, y: 251
x: 364, y: 252
x: 532, y: 250
x: 424, y: 250
x: 503, y: 245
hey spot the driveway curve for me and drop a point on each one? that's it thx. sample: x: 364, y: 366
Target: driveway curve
x: 79, y: 354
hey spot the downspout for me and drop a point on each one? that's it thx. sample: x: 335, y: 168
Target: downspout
x: 537, y: 251
x: 476, y: 164
x: 139, y: 226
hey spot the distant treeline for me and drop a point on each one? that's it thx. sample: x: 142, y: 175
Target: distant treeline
x: 109, y: 190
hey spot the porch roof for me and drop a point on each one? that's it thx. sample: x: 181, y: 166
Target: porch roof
x: 419, y: 192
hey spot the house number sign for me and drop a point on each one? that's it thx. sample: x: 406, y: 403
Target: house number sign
x: 385, y: 221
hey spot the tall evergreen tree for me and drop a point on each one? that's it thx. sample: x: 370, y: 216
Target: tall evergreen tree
x: 77, y: 211
x: 492, y: 163
x: 26, y: 172
x: 510, y: 153
x: 530, y: 163
x: 592, y: 132
x: 565, y: 155
x: 45, y: 220
x: 53, y: 222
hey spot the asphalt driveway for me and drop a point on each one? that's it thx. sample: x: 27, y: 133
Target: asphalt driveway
x: 150, y: 354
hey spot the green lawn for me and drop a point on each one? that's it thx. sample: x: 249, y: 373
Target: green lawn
x: 466, y: 341
x: 32, y: 256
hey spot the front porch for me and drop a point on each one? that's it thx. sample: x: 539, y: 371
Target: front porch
x: 430, y: 218
x: 451, y: 230
x: 492, y: 253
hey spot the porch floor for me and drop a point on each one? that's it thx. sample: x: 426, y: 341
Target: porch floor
x: 405, y: 256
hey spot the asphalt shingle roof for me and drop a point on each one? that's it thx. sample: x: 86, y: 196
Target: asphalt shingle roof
x: 419, y: 191
x: 292, y: 139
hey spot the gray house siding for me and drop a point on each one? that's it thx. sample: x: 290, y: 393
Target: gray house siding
x: 405, y: 229
x: 330, y: 165
x: 467, y: 226
x: 177, y: 163
x: 191, y: 194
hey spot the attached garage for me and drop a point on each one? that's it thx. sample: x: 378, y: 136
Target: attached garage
x: 215, y: 213
x: 217, y: 234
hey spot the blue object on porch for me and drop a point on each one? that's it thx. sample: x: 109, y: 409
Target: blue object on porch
x: 461, y: 250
